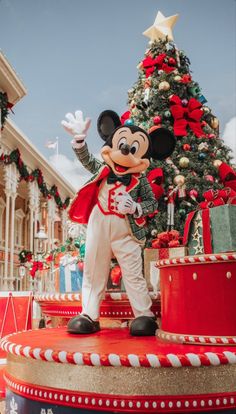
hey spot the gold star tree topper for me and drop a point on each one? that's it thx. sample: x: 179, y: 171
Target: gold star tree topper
x: 161, y: 28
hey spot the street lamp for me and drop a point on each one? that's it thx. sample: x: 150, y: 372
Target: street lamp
x: 40, y: 237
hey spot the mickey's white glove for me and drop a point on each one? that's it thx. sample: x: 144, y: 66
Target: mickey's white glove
x: 126, y: 205
x: 77, y: 127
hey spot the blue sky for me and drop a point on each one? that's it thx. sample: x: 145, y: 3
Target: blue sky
x: 83, y: 54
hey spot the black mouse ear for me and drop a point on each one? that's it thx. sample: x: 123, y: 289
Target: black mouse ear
x: 107, y: 122
x: 163, y: 143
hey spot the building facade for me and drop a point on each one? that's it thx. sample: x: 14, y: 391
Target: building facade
x: 32, y: 193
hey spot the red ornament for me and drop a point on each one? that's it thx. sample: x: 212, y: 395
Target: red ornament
x: 157, y: 120
x: 186, y: 79
x: 211, y: 136
x: 193, y: 194
x: 186, y: 147
x: 116, y: 275
x: 81, y: 266
x: 209, y: 178
x: 172, y: 61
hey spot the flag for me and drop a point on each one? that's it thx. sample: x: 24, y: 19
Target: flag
x: 51, y: 144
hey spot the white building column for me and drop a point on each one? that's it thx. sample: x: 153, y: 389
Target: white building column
x: 64, y: 219
x: 51, y: 221
x: 7, y: 227
x: 11, y: 177
x: 34, y: 197
x: 12, y: 243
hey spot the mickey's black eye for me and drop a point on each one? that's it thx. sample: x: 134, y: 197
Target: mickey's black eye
x: 134, y: 147
x: 121, y: 142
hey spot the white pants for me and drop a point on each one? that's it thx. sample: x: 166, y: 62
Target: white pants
x: 107, y: 234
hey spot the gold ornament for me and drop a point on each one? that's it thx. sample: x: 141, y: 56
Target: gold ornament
x: 179, y: 180
x: 164, y: 86
x: 214, y: 123
x: 161, y: 28
x: 177, y: 78
x: 184, y: 162
x: 217, y: 163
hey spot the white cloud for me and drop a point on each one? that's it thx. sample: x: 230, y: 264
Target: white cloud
x: 71, y: 170
x: 229, y: 135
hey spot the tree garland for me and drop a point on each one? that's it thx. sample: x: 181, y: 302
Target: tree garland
x: 5, y: 105
x: 37, y: 175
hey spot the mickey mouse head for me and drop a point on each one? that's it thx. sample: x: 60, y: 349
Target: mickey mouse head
x: 128, y: 148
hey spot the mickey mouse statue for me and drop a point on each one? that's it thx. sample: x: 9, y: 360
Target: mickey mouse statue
x: 113, y: 203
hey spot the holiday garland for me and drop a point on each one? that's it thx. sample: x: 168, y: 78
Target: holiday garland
x: 28, y: 259
x: 5, y: 105
x: 36, y: 174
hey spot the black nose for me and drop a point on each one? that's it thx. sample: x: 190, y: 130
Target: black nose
x: 125, y: 149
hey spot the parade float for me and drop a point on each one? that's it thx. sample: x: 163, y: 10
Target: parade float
x: 190, y: 364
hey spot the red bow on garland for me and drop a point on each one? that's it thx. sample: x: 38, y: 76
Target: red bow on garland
x: 184, y: 116
x: 36, y: 266
x: 167, y: 239
x: 149, y: 65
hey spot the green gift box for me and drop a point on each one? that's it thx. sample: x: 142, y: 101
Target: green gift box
x: 212, y: 230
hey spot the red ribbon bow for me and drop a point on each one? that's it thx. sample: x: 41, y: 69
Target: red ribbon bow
x: 214, y: 198
x: 227, y: 175
x: 167, y: 239
x: 36, y: 266
x: 186, y: 116
x: 150, y: 64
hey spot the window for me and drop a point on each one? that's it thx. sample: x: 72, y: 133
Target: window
x: 19, y: 216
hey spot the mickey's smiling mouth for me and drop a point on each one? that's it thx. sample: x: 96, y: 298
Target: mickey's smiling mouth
x: 120, y: 168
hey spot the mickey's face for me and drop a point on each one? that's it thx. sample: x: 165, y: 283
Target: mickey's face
x: 126, y: 152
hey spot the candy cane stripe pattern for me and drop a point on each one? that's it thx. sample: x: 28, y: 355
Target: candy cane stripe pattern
x: 197, y: 339
x: 197, y: 259
x: 130, y: 360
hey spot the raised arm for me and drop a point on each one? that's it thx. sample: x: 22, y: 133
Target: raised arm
x: 78, y: 128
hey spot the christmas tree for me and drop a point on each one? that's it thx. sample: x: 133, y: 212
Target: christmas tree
x: 165, y: 95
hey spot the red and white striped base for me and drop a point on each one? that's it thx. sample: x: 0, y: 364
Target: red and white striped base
x: 115, y: 305
x: 196, y: 339
x: 119, y: 373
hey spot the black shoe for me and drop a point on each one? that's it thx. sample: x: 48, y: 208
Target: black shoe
x: 82, y: 324
x: 143, y: 326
